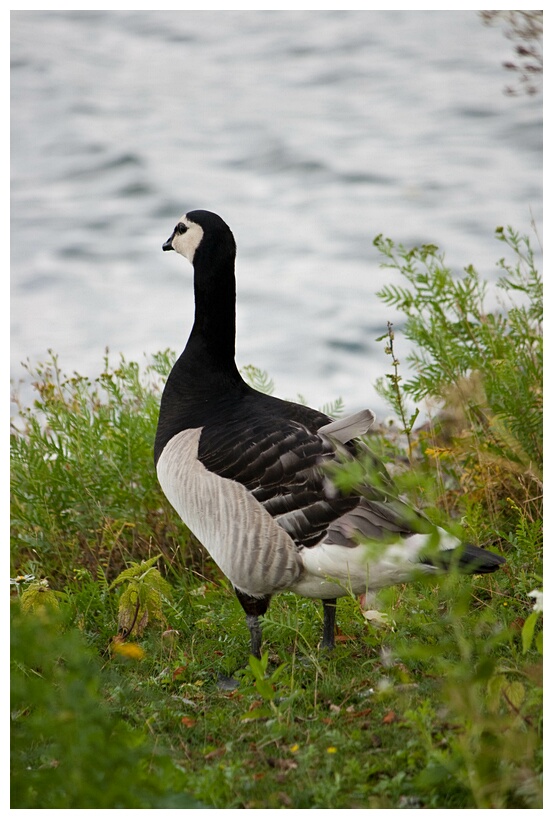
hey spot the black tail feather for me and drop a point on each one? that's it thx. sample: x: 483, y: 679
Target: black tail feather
x: 467, y: 559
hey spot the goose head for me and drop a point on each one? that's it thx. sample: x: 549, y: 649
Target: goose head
x: 198, y: 233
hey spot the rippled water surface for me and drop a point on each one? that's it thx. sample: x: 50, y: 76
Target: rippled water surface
x: 309, y: 132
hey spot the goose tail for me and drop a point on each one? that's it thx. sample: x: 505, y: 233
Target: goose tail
x: 465, y: 558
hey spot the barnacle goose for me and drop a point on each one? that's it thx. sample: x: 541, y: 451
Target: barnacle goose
x: 246, y: 471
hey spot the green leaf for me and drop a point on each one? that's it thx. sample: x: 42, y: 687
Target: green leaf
x: 135, y: 570
x: 265, y: 689
x: 258, y: 666
x: 515, y: 694
x: 528, y: 631
x: 39, y: 595
x: 495, y: 687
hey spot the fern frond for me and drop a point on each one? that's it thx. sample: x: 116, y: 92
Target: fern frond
x: 258, y: 379
x: 333, y: 408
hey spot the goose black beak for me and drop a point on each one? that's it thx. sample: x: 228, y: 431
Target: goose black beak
x: 168, y: 245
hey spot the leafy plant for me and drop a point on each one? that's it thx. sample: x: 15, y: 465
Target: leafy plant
x: 85, y: 494
x: 264, y: 685
x: 480, y: 458
x: 485, y: 368
x: 39, y: 595
x: 392, y: 392
x: 492, y: 702
x: 68, y: 749
x: 143, y: 597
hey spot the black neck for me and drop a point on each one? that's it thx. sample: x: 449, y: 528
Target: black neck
x: 205, y: 375
x: 210, y: 350
x: 214, y: 332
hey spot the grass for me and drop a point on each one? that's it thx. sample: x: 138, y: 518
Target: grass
x: 132, y: 685
x: 393, y: 718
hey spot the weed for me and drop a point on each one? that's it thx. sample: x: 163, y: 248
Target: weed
x: 85, y: 494
x: 141, y: 601
x: 69, y: 750
x: 485, y: 370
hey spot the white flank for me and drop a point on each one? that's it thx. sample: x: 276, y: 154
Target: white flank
x: 250, y: 548
x: 332, y: 570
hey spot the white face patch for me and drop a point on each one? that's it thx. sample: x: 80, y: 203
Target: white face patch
x: 187, y: 243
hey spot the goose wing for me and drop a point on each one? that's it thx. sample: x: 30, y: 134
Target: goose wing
x: 280, y: 462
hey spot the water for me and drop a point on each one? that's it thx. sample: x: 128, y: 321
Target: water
x: 309, y: 132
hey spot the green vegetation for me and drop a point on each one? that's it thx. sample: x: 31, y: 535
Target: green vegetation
x: 70, y: 746
x: 132, y: 685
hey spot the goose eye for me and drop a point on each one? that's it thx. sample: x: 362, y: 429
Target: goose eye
x: 181, y: 228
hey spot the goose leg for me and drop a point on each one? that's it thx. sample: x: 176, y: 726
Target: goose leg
x: 254, y: 608
x: 329, y: 623
x: 255, y: 634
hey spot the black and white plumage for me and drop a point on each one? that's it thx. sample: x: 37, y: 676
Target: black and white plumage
x: 245, y: 471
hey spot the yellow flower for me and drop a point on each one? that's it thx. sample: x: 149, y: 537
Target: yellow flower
x: 295, y: 748
x: 130, y: 650
x: 438, y: 452
x: 331, y: 750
